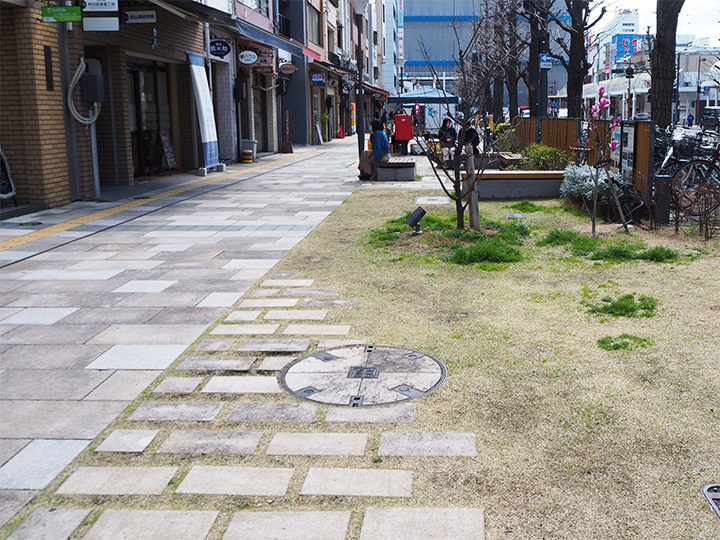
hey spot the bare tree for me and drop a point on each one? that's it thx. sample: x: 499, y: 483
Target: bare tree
x: 662, y: 61
x: 514, y: 38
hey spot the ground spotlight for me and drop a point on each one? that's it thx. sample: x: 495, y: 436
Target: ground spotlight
x: 414, y: 220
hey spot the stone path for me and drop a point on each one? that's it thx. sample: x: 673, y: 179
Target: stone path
x: 86, y: 328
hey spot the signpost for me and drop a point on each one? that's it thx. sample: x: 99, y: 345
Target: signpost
x: 546, y: 61
x: 61, y: 14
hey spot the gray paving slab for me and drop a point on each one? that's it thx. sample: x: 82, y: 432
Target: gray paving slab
x: 49, y: 384
x: 145, y: 286
x: 423, y: 524
x: 330, y: 302
x: 271, y: 412
x: 163, y: 299
x: 250, y: 264
x: 109, y: 316
x: 12, y: 501
x: 128, y: 440
x: 66, y: 298
x: 50, y: 524
x: 10, y: 447
x: 297, y: 314
x: 318, y: 444
x: 238, y: 316
x: 427, y: 444
x: 176, y: 411
x: 358, y: 482
x: 178, y: 385
x: 400, y: 413
x: 210, y: 480
x: 211, y: 442
x: 152, y: 525
x: 155, y: 334
x: 39, y: 315
x: 259, y: 293
x: 123, y: 385
x: 217, y: 363
x: 277, y: 282
x: 187, y: 315
x: 268, y: 303
x: 142, y: 357
x: 274, y: 345
x: 304, y: 291
x: 256, y: 384
x: 216, y: 345
x: 288, y: 526
x: 36, y: 465
x: 317, y: 329
x: 50, y: 356
x: 244, y: 329
x: 275, y: 363
x: 65, y: 334
x: 283, y: 275
x: 57, y: 419
x: 117, y: 481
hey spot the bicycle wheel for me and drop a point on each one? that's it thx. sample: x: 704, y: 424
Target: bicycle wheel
x: 634, y: 209
x: 696, y: 187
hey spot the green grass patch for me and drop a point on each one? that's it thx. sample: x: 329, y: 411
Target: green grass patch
x: 527, y: 207
x: 624, y: 306
x: 492, y: 249
x: 624, y: 342
x: 581, y: 245
x: 659, y: 254
x: 617, y: 253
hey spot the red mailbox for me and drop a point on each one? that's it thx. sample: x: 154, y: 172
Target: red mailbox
x: 403, y: 127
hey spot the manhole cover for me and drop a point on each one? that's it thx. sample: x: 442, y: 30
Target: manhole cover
x: 361, y: 376
x: 712, y: 494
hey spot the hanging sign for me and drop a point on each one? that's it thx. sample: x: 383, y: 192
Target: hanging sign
x: 287, y: 69
x: 317, y: 77
x: 139, y: 17
x: 60, y: 14
x: 219, y: 48
x: 248, y: 57
x: 100, y: 5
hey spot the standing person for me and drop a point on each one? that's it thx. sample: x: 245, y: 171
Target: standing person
x: 690, y: 120
x: 447, y: 136
x: 380, y: 152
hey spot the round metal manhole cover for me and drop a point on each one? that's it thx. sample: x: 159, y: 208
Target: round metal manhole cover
x: 361, y: 376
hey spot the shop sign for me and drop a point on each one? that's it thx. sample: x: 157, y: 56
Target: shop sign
x: 60, y: 14
x: 100, y: 5
x: 139, y: 17
x: 287, y: 69
x: 317, y: 77
x: 248, y: 57
x: 219, y: 48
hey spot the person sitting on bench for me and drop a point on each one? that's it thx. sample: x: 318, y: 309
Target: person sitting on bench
x: 380, y: 152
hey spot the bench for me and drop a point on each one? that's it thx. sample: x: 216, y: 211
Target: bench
x: 396, y: 169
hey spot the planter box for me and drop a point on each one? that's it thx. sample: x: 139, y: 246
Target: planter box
x: 520, y: 184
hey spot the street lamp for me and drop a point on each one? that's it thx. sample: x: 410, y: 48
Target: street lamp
x: 697, y: 95
x: 359, y: 7
x: 402, y: 61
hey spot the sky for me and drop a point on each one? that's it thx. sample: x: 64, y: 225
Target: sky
x: 698, y: 17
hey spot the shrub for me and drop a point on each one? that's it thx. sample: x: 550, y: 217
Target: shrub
x: 502, y: 127
x: 544, y: 158
x: 578, y: 183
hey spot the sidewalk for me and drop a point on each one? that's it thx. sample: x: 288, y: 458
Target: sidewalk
x: 140, y: 346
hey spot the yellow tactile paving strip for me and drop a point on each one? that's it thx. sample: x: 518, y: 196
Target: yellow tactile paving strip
x: 84, y: 220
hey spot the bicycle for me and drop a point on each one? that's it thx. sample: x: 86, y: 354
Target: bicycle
x: 633, y: 207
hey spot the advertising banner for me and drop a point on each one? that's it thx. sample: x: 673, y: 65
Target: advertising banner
x: 206, y: 117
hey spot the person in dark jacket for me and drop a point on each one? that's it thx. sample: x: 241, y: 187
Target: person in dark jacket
x: 447, y: 136
x: 380, y: 152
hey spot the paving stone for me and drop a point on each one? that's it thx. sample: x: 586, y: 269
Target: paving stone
x: 236, y: 316
x: 216, y: 345
x: 249, y: 264
x: 123, y: 385
x: 150, y: 334
x: 268, y: 302
x: 168, y: 412
x: 56, y: 334
x: 118, y: 481
x: 427, y: 444
x: 248, y: 274
x: 264, y: 292
x: 36, y: 465
x: 236, y: 481
x: 401, y: 413
x: 242, y: 385
x: 217, y: 363
x: 211, y: 442
x: 219, y: 299
x: 12, y: 501
x: 244, y: 329
x: 50, y: 524
x: 283, y: 275
x: 50, y: 356
x: 145, y: 286
x: 49, y: 384
x: 10, y: 447
x: 339, y: 343
x: 300, y: 314
x: 275, y: 345
x: 109, y: 316
x: 317, y: 329
x: 275, y: 363
x: 358, y: 482
x: 287, y: 282
x: 330, y: 302
x: 423, y: 524
x: 152, y: 525
x: 271, y: 412
x: 57, y: 419
x: 302, y: 291
x: 39, y: 315
x: 318, y: 444
x: 288, y: 526
x: 143, y: 357
x: 187, y: 315
x: 178, y: 385
x: 128, y: 440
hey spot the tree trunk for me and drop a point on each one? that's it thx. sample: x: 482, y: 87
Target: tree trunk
x: 577, y: 66
x: 511, y: 80
x: 662, y: 61
x: 498, y: 91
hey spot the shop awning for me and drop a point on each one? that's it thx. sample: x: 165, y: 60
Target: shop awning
x: 256, y: 33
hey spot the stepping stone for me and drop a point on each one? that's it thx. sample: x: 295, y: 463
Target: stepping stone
x: 236, y: 481
x: 244, y: 329
x: 268, y: 303
x: 275, y: 363
x: 302, y: 291
x: 275, y: 345
x: 339, y: 343
x: 287, y: 283
x: 217, y: 363
x: 152, y: 525
x: 36, y: 465
x: 210, y: 442
x: 401, y: 413
x: 318, y: 444
x: 272, y: 412
x: 317, y: 329
x: 128, y: 440
x: 218, y: 299
x: 168, y: 412
x: 12, y: 501
x: 427, y: 444
x: 282, y: 275
x: 300, y: 314
x: 257, y: 384
x: 123, y: 385
x: 330, y: 302
x: 288, y: 526
x: 358, y: 482
x: 118, y: 481
x: 50, y: 524
x: 237, y: 316
x: 216, y: 345
x: 423, y: 523
x: 264, y: 292
x: 178, y: 385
